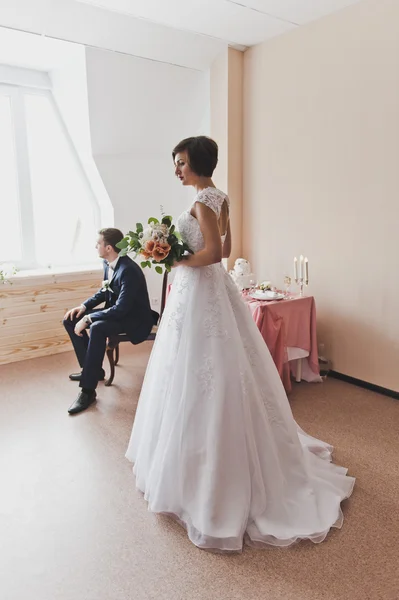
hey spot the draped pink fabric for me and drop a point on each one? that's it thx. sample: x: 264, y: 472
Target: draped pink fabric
x: 287, y: 324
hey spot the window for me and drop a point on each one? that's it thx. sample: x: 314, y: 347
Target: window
x: 49, y: 214
x: 10, y: 238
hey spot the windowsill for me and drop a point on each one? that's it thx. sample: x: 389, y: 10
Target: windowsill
x: 66, y: 270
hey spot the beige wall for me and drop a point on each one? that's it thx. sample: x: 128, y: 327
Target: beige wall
x: 321, y: 177
x: 219, y: 115
x: 227, y: 130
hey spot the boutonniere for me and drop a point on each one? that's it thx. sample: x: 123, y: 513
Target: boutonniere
x: 106, y: 287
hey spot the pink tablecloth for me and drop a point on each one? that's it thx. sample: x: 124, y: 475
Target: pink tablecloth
x: 287, y: 324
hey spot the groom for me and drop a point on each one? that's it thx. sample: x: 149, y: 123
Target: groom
x: 127, y: 310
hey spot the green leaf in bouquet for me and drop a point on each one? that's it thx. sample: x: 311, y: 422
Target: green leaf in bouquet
x: 139, y: 228
x: 144, y: 264
x: 168, y: 268
x: 159, y: 270
x: 185, y: 248
x: 124, y: 243
x: 172, y: 240
x: 153, y: 220
x: 123, y: 252
x: 133, y: 234
x: 172, y: 229
x: 167, y: 220
x: 177, y: 234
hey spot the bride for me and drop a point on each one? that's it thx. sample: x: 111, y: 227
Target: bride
x: 214, y: 443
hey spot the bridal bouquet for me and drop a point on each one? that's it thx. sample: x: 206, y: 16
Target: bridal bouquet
x: 159, y: 243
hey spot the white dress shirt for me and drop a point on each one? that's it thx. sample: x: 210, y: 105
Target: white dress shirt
x: 111, y: 271
x: 111, y: 268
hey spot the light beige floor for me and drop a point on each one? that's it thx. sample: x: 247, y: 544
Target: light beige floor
x: 73, y: 527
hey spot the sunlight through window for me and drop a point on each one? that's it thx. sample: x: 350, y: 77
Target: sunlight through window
x: 64, y: 217
x: 49, y: 214
x: 10, y: 238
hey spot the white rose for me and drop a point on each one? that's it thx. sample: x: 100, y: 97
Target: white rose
x: 147, y: 233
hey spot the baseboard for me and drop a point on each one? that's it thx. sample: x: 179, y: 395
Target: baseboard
x: 365, y: 384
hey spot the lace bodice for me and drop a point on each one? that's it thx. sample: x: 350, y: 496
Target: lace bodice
x: 188, y: 225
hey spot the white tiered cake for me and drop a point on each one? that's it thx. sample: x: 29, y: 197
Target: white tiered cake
x: 241, y: 274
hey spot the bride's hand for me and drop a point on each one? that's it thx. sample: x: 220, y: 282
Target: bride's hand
x: 178, y: 263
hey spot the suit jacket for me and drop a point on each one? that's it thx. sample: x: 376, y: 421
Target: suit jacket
x: 128, y: 301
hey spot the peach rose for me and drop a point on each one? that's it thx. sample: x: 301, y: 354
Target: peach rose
x: 149, y: 246
x: 161, y: 251
x: 147, y: 249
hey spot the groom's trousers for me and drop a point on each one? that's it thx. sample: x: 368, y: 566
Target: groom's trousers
x: 90, y: 349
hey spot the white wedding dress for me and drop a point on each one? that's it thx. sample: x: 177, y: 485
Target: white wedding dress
x: 214, y: 442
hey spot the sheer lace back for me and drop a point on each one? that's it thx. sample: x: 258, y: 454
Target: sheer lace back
x: 188, y: 225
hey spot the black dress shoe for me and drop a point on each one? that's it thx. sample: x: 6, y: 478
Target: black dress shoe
x: 78, y: 376
x: 83, y: 401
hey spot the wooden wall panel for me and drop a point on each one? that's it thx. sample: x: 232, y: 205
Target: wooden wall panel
x: 32, y: 309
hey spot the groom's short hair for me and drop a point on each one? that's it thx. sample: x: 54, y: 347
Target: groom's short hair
x: 111, y: 237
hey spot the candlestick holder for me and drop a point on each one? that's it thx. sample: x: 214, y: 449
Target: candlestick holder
x: 301, y: 282
x: 287, y: 287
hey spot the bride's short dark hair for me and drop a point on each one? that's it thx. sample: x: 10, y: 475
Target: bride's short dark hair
x: 202, y: 154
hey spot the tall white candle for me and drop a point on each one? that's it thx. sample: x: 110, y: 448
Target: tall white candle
x: 301, y: 267
x: 295, y: 268
x: 306, y: 271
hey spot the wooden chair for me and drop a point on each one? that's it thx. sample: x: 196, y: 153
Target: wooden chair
x: 112, y: 348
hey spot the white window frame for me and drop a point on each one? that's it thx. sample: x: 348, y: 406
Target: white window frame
x: 24, y: 190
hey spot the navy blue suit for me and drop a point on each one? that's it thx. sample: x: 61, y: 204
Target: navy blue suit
x: 127, y: 310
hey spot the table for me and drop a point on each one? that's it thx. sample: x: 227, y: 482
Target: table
x: 289, y: 330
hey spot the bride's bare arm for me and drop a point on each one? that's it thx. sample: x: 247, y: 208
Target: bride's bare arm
x: 227, y: 243
x: 212, y: 252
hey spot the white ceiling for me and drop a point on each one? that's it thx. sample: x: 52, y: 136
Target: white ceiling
x: 240, y: 23
x: 187, y: 33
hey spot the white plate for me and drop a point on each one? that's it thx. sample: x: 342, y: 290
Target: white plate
x: 267, y: 295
